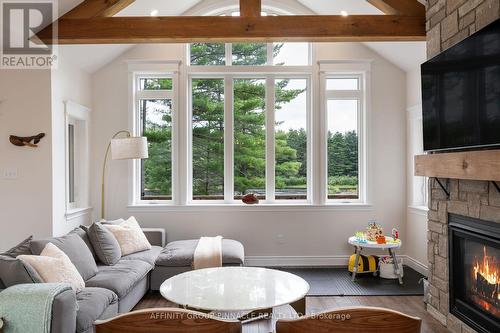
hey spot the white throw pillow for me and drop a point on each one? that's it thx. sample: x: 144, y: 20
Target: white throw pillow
x: 54, y: 266
x: 130, y: 236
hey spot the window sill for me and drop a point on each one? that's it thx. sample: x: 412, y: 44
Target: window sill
x: 420, y: 210
x: 238, y: 207
x: 77, y: 212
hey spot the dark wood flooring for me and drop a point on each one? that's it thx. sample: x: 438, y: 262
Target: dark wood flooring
x: 411, y: 305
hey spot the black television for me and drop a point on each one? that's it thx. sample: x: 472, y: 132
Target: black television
x: 461, y: 94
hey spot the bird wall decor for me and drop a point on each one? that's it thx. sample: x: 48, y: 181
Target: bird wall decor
x: 26, y: 141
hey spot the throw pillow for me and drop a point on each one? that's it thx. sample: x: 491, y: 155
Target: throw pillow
x: 105, y: 244
x: 75, y: 248
x: 54, y: 266
x: 12, y: 270
x: 21, y: 248
x: 130, y: 236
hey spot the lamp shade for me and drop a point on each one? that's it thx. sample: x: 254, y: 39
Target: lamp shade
x: 129, y: 148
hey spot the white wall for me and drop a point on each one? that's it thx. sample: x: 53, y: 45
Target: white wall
x: 25, y: 110
x: 416, y: 221
x: 69, y: 83
x: 31, y: 101
x: 321, y: 232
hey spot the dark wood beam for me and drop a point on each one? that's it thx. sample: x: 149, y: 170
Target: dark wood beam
x: 97, y: 8
x: 250, y: 8
x: 185, y: 29
x: 399, y: 7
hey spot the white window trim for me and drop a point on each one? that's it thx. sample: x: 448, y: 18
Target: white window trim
x: 414, y: 117
x: 156, y: 69
x: 78, y: 115
x: 317, y: 154
x: 338, y: 69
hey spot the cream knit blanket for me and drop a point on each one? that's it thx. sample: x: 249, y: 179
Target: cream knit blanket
x: 208, y: 253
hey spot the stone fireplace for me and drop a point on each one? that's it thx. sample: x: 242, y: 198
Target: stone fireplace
x: 468, y: 198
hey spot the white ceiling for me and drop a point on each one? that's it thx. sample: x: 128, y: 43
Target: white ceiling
x: 405, y: 55
x: 90, y: 58
x: 333, y: 7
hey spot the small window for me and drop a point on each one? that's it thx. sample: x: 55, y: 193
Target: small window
x: 156, y: 171
x: 155, y: 84
x: 342, y: 84
x: 343, y: 149
x: 208, y: 139
x: 249, y: 137
x: 249, y: 54
x: 291, y: 54
x: 246, y: 54
x: 77, y: 158
x: 208, y: 54
x: 291, y: 139
x: 71, y: 163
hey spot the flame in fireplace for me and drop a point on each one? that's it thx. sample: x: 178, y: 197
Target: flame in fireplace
x: 487, y: 269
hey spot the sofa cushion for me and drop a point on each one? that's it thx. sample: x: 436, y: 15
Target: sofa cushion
x: 148, y: 256
x: 75, y: 248
x: 105, y: 244
x: 13, y: 271
x: 92, y: 302
x: 120, y: 278
x: 180, y: 253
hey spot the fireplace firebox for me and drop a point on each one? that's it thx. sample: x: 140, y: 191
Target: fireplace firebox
x: 474, y: 271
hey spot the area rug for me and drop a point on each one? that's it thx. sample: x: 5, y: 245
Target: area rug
x: 336, y: 281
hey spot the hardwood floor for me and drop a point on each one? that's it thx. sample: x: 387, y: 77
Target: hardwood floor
x: 411, y: 305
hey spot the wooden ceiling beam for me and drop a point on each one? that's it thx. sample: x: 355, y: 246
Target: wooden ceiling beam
x: 250, y: 8
x: 97, y: 8
x: 185, y: 29
x: 399, y: 7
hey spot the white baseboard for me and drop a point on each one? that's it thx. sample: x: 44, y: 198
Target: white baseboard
x: 309, y: 261
x: 283, y: 261
x: 416, y: 265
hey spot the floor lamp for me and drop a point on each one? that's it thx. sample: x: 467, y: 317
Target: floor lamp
x: 127, y: 148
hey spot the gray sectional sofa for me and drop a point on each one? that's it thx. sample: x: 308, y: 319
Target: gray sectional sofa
x: 118, y: 288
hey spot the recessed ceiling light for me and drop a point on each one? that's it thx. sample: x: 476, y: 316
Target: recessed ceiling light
x: 344, y: 13
x: 154, y: 12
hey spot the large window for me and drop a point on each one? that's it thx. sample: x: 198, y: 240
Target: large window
x: 267, y: 112
x: 241, y: 121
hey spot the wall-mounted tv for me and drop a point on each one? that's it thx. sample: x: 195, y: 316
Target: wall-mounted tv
x: 461, y: 94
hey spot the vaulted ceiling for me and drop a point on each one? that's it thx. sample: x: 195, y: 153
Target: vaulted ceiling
x: 405, y: 55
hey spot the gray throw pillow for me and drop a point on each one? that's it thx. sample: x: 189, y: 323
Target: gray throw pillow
x: 13, y: 271
x: 105, y: 244
x: 21, y: 248
x: 75, y: 248
x: 82, y: 232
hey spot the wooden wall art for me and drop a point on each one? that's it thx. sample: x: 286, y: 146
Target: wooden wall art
x: 28, y: 141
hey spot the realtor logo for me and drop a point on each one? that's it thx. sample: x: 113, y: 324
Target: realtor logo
x: 21, y: 20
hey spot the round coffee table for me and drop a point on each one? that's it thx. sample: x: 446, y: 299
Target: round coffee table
x: 234, y: 289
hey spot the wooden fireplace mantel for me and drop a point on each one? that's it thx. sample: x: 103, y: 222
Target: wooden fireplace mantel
x: 473, y: 165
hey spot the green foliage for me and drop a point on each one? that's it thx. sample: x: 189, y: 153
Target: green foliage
x: 249, y: 134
